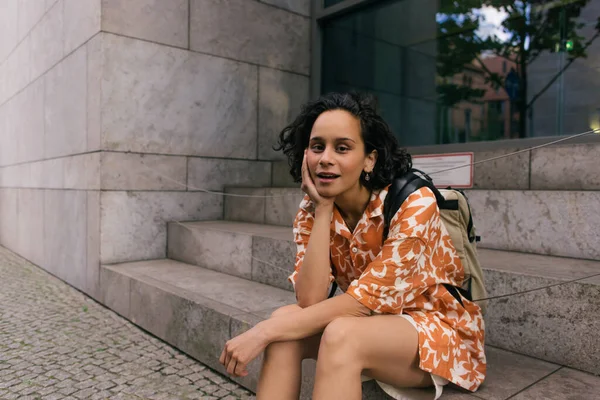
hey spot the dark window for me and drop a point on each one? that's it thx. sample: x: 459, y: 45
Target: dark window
x: 329, y: 3
x: 421, y: 59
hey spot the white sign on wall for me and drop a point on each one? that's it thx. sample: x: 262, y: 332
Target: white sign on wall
x: 460, y: 178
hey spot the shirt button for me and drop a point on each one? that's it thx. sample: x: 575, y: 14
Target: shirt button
x: 354, y: 250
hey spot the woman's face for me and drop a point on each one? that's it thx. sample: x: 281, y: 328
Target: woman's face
x: 336, y: 153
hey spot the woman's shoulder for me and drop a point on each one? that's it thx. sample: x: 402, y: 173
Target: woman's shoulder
x: 420, y: 197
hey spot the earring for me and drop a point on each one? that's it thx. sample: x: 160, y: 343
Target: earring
x: 367, y: 177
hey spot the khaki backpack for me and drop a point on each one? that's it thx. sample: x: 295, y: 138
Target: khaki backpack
x: 458, y: 220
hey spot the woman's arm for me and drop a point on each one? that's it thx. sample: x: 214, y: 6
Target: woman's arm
x: 242, y: 349
x: 311, y: 320
x: 312, y: 280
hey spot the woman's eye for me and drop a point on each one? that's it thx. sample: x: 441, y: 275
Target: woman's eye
x: 343, y: 149
x: 317, y: 147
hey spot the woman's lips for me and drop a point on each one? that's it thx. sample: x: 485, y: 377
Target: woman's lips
x: 327, y: 178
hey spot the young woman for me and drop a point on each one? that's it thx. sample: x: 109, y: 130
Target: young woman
x: 396, y: 322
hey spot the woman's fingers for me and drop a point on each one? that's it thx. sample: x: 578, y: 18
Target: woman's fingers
x: 240, y: 369
x: 231, y: 366
x: 308, y: 186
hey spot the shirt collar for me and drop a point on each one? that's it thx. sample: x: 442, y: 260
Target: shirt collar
x: 374, y: 209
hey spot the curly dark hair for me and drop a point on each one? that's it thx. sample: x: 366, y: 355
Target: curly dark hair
x: 392, y: 160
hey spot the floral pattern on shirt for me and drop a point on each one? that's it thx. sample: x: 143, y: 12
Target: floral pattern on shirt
x: 406, y: 275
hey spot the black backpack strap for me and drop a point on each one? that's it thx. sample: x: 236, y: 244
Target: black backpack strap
x: 401, y: 188
x: 334, y: 285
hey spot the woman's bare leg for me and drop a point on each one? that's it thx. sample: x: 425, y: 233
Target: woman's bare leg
x: 383, y: 347
x: 281, y: 372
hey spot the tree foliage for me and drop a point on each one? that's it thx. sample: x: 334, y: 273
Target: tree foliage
x: 529, y: 29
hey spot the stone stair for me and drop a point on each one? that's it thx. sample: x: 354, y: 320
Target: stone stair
x: 223, y: 277
x: 197, y: 309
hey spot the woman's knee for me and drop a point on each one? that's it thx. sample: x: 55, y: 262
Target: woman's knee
x: 285, y: 310
x: 337, y: 341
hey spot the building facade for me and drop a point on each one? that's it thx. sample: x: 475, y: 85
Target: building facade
x: 115, y: 115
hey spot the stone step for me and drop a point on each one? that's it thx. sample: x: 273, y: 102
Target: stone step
x: 261, y: 253
x: 197, y: 310
x: 530, y: 221
x: 534, y: 323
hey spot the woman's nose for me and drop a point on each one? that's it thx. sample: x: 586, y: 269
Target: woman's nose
x: 326, y: 157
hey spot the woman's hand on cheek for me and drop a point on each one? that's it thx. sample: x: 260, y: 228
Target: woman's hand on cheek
x: 308, y: 186
x: 241, y: 350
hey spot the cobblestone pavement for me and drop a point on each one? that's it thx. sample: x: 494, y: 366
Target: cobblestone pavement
x: 56, y: 343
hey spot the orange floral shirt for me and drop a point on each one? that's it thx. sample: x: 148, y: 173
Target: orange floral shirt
x: 405, y: 275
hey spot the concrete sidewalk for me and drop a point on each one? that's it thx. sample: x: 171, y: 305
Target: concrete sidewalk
x: 56, y: 343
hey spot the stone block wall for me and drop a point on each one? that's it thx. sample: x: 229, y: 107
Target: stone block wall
x: 49, y: 160
x: 114, y: 116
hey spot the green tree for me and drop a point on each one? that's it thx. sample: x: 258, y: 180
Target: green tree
x: 531, y: 28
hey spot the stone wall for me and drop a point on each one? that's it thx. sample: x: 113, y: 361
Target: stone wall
x: 113, y: 116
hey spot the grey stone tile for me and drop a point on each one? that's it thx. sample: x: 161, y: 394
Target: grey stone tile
x: 247, y: 209
x: 129, y: 171
x: 538, y: 221
x: 229, y: 291
x: 169, y: 112
x: 454, y: 393
x: 227, y: 252
x: 504, y: 173
x: 180, y: 320
x: 537, y: 323
x: 65, y: 235
x: 65, y: 112
x: 8, y: 28
x: 154, y: 20
x: 81, y: 171
x: 535, y: 265
x: 31, y: 225
x: 30, y: 13
x: 281, y: 175
x: 47, y: 41
x: 9, y: 223
x: 240, y: 29
x: 81, y: 22
x: 94, y: 92
x: 92, y: 276
x: 53, y: 173
x: 273, y: 260
x: 12, y: 176
x: 3, y: 81
x: 29, y: 127
x: 115, y: 289
x: 281, y: 95
x: 49, y: 4
x: 7, y: 153
x: 215, y: 174
x: 19, y: 66
x: 565, y: 384
x: 508, y: 373
x: 573, y: 167
x: 282, y: 207
x: 134, y: 224
x: 298, y: 6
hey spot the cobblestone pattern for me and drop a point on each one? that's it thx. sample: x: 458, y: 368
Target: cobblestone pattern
x: 56, y: 343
